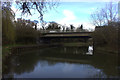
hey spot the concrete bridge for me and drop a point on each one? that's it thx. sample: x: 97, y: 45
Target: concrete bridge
x: 63, y: 35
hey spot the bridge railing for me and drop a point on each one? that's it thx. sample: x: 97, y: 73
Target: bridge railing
x: 57, y: 31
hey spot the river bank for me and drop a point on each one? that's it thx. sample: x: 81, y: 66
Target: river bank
x: 106, y: 50
x: 16, y: 48
x: 98, y: 49
x: 8, y: 50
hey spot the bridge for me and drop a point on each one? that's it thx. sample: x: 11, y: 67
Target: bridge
x: 63, y: 35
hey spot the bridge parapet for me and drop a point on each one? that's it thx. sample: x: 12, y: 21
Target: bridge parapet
x: 68, y: 34
x: 60, y: 31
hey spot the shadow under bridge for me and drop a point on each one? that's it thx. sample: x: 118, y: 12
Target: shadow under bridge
x: 65, y: 36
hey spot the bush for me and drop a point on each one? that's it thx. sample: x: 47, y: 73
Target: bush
x: 25, y: 34
x: 107, y: 35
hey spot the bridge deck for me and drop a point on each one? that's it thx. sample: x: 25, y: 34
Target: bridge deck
x: 60, y: 35
x: 67, y: 35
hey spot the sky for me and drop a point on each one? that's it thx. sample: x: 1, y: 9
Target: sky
x: 66, y: 13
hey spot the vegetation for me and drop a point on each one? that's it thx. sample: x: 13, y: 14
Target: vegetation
x: 106, y: 37
x: 25, y: 33
x: 8, y: 26
x: 19, y: 32
x: 107, y: 26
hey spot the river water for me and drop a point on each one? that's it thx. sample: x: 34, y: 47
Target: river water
x: 62, y: 62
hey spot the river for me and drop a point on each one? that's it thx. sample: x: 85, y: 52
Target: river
x: 62, y: 62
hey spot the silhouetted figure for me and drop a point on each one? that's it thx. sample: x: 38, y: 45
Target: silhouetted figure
x: 67, y: 29
x: 72, y: 27
x: 35, y: 26
x: 81, y: 27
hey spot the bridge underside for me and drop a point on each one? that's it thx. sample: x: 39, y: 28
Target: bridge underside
x: 64, y: 38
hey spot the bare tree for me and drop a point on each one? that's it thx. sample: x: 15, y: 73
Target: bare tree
x: 97, y: 18
x: 105, y: 15
x: 41, y: 6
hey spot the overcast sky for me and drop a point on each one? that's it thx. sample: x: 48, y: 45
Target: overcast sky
x: 75, y: 13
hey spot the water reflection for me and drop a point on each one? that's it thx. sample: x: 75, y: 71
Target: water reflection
x: 63, y: 70
x: 62, y: 62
